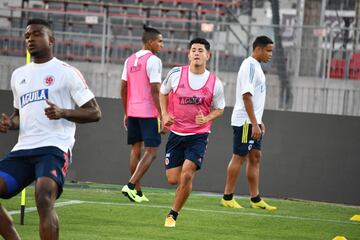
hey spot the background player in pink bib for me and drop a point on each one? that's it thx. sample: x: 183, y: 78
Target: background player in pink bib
x: 191, y: 97
x: 45, y: 92
x: 140, y: 86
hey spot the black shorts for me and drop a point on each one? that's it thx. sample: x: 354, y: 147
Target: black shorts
x: 242, y: 141
x: 20, y: 168
x: 144, y: 129
x: 179, y: 148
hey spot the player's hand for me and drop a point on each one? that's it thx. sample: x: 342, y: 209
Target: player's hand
x: 125, y: 122
x: 256, y: 132
x: 263, y: 128
x: 163, y: 130
x: 168, y: 120
x: 5, y: 123
x: 53, y: 112
x: 201, y: 119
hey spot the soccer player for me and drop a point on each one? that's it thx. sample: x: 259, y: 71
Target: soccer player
x: 140, y: 86
x: 191, y: 97
x: 248, y: 128
x: 45, y: 94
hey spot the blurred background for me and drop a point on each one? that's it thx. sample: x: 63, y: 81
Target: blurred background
x: 316, y: 63
x: 313, y: 83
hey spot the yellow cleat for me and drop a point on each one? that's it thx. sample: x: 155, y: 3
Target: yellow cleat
x: 131, y: 194
x: 262, y: 205
x: 355, y: 218
x: 143, y: 198
x: 230, y: 203
x: 339, y: 238
x: 169, y: 221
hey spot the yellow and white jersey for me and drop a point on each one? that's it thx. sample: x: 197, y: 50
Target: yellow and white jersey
x: 57, y: 82
x: 250, y: 79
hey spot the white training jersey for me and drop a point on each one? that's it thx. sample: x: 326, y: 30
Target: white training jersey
x: 32, y: 85
x: 250, y: 79
x: 153, y: 67
x: 196, y: 81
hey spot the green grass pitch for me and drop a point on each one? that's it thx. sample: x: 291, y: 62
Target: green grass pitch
x: 99, y: 211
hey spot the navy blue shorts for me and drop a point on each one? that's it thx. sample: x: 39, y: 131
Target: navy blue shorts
x: 144, y: 129
x: 179, y: 148
x: 20, y: 168
x: 242, y: 141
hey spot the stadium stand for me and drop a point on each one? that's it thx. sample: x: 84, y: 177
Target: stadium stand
x: 354, y: 67
x: 178, y: 20
x: 337, y: 68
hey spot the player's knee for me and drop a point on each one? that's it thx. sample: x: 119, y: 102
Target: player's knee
x: 186, y: 177
x: 238, y: 159
x: 151, y: 152
x: 44, y: 202
x: 255, y: 157
x: 172, y: 180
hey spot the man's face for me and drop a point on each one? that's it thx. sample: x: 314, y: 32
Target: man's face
x: 157, y: 44
x: 38, y: 40
x: 198, y: 55
x: 266, y: 53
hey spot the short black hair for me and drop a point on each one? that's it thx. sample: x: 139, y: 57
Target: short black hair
x: 262, y: 41
x: 200, y: 41
x: 40, y: 22
x: 149, y: 34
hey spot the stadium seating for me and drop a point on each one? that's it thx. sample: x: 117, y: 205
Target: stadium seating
x: 354, y: 67
x: 81, y: 40
x: 337, y: 68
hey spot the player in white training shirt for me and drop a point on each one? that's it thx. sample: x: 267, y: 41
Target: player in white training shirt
x: 45, y: 93
x: 140, y: 86
x: 247, y: 124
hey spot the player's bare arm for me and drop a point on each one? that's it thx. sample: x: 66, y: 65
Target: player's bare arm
x: 249, y: 107
x: 123, y: 94
x: 167, y: 119
x: 155, y: 90
x: 215, y: 113
x: 89, y: 112
x: 9, y: 123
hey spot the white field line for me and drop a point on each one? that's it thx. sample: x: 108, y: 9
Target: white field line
x: 58, y: 204
x: 235, y: 212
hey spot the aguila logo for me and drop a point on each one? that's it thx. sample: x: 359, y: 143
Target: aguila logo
x: 49, y: 80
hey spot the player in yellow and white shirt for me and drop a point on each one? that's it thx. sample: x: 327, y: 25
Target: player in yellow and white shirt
x: 247, y: 124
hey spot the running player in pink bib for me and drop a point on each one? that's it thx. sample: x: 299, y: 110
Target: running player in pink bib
x: 45, y: 92
x: 191, y: 97
x: 140, y: 86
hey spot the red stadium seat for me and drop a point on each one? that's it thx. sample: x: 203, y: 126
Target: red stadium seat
x: 337, y: 68
x: 354, y: 67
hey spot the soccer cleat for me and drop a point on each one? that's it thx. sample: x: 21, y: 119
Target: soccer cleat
x: 262, y: 205
x: 131, y: 194
x: 143, y: 198
x: 170, y: 221
x: 230, y: 203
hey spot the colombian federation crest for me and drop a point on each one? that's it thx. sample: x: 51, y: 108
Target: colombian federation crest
x: 49, y: 80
